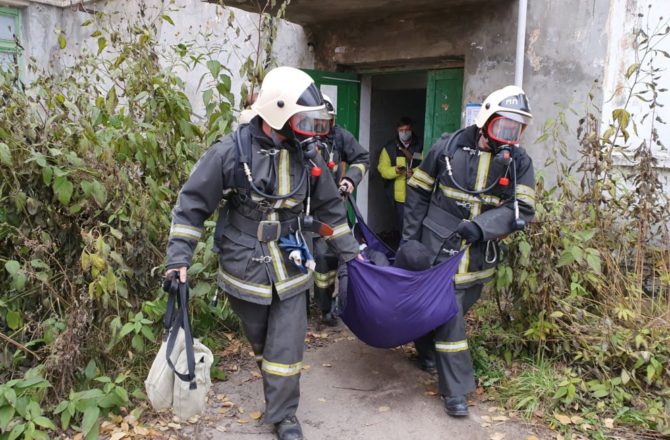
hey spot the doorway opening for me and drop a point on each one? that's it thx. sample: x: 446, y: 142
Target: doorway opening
x: 393, y: 96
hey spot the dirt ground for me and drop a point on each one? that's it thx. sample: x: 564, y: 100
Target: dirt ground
x: 351, y: 391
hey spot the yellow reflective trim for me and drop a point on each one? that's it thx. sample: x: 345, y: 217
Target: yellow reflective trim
x: 454, y: 193
x: 262, y: 290
x: 525, y: 189
x: 275, y: 253
x: 182, y: 235
x: 465, y: 261
x: 186, y: 231
x: 423, y: 176
x: 528, y: 201
x: 416, y: 183
x: 468, y: 277
x: 293, y: 282
x: 281, y: 369
x: 325, y: 276
x: 324, y: 284
x: 284, y: 176
x: 482, y: 170
x: 360, y: 166
x: 340, y: 230
x: 451, y: 347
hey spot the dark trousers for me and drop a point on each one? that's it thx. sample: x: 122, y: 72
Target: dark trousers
x: 399, y: 214
x: 277, y: 336
x: 324, y: 276
x: 448, y: 345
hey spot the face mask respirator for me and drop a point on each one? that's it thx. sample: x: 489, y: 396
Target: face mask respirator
x: 405, y: 136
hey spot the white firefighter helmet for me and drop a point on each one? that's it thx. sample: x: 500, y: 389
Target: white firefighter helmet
x: 289, y: 95
x: 510, y: 102
x: 329, y: 105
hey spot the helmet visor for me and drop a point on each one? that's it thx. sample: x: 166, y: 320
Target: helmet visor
x: 505, y: 130
x: 311, y: 123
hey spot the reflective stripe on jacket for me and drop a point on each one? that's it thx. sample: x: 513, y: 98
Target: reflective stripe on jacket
x: 248, y: 268
x: 435, y: 206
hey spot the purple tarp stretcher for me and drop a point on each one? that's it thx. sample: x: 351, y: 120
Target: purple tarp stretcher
x: 387, y: 306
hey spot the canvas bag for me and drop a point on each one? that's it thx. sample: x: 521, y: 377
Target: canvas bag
x: 179, y: 352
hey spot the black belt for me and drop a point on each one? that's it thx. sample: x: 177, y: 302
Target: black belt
x: 263, y: 230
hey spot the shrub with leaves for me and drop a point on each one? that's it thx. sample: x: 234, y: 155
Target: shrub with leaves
x: 585, y: 288
x: 91, y: 160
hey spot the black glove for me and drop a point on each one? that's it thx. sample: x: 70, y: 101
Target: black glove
x: 469, y: 231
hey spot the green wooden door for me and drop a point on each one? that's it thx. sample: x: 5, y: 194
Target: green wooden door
x: 344, y: 88
x: 444, y: 104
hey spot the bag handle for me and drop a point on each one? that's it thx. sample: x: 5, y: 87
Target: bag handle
x: 178, y: 294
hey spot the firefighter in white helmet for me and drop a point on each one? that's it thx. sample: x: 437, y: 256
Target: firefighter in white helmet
x: 267, y: 170
x: 474, y: 187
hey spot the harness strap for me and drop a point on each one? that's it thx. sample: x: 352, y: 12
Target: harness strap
x: 178, y: 294
x: 250, y: 226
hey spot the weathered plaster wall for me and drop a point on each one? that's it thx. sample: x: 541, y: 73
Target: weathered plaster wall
x: 565, y: 50
x: 194, y: 20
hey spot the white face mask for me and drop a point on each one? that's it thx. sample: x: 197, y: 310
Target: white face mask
x: 405, y: 135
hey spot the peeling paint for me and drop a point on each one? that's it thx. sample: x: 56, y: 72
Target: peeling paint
x: 533, y: 58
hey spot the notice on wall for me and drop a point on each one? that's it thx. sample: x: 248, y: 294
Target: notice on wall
x: 471, y: 111
x: 331, y: 91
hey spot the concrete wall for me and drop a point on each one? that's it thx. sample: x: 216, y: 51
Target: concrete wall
x: 195, y: 21
x: 566, y: 46
x: 625, y: 18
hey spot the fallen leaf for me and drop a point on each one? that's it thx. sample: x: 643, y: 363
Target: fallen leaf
x: 78, y: 436
x: 486, y: 418
x: 498, y: 436
x: 500, y: 418
x: 141, y: 430
x: 532, y: 437
x: 486, y: 425
x: 174, y: 425
x: 565, y: 420
x: 384, y: 408
x: 493, y: 408
x: 479, y: 391
x: 107, y: 426
x: 220, y: 397
x: 576, y: 420
x: 256, y: 415
x: 430, y: 393
x: 240, y: 410
x: 242, y: 421
x: 228, y: 404
x: 350, y: 338
x: 221, y: 428
x: 256, y: 374
x: 118, y: 435
x: 327, y: 365
x: 306, y: 367
x: 609, y: 423
x: 321, y: 399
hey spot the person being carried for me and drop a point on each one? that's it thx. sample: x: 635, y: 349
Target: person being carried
x: 473, y: 188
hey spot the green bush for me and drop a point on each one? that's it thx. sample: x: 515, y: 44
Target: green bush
x: 91, y: 160
x: 585, y: 291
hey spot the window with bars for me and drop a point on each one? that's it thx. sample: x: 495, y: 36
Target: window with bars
x: 10, y: 34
